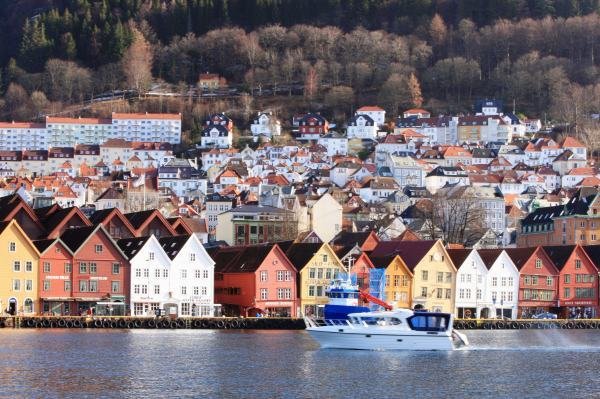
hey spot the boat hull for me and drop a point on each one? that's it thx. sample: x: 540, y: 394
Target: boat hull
x: 364, y: 340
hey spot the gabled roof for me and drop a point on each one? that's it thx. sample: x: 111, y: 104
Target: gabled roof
x: 248, y: 259
x: 141, y: 219
x: 300, y: 253
x: 559, y: 254
x: 75, y: 238
x: 411, y: 252
x: 172, y: 245
x: 131, y: 246
x: 458, y: 256
x: 347, y: 238
x: 61, y: 217
x: 489, y: 256
x: 520, y: 256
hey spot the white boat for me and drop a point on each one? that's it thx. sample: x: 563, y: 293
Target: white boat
x: 400, y: 329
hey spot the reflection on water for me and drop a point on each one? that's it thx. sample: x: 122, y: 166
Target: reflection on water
x: 288, y: 364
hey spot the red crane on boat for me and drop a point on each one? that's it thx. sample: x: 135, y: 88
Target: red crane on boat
x: 373, y: 299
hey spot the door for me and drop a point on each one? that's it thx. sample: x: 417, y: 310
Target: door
x: 12, y: 306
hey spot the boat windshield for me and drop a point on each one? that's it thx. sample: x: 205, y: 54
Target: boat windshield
x: 429, y: 322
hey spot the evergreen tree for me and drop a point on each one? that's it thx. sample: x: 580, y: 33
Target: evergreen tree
x: 35, y: 47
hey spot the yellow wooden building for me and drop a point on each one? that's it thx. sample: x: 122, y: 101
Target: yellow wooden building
x: 19, y: 260
x: 317, y: 265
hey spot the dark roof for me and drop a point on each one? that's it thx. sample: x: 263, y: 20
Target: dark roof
x: 458, y: 256
x: 75, y: 237
x: 223, y: 132
x: 3, y: 225
x: 559, y: 254
x: 349, y: 238
x: 56, y: 218
x: 248, y: 260
x: 300, y: 253
x: 593, y: 251
x: 520, y: 256
x: 8, y: 204
x: 43, y: 245
x: 131, y: 246
x: 489, y: 256
x: 577, y: 205
x: 137, y: 219
x: 222, y: 256
x: 172, y: 245
x: 411, y: 252
x: 111, y: 193
x: 45, y: 211
x: 99, y: 216
x: 368, y: 120
x: 381, y: 262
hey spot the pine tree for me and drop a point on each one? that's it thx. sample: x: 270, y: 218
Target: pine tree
x: 35, y: 47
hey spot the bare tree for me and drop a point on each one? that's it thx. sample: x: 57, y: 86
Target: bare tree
x: 137, y: 63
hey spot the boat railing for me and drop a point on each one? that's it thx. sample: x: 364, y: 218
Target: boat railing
x: 313, y: 322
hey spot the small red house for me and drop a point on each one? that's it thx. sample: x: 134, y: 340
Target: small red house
x: 114, y: 222
x: 257, y: 279
x: 538, y: 281
x: 55, y: 277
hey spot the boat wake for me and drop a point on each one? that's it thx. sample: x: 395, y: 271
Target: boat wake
x: 575, y: 348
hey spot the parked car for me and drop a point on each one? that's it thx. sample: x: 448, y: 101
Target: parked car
x: 546, y: 315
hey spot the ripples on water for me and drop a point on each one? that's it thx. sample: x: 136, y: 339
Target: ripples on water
x: 288, y: 364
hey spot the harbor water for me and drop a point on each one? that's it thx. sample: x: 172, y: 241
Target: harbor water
x: 61, y: 363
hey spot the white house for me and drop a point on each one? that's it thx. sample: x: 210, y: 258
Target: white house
x: 361, y: 126
x: 267, y: 124
x: 374, y: 112
x: 150, y: 274
x: 191, y: 287
x: 335, y: 143
x: 471, y: 277
x: 216, y: 136
x: 502, y: 282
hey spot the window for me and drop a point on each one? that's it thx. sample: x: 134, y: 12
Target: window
x: 192, y: 257
x: 567, y: 293
x: 311, y: 272
x: 424, y: 275
x: 284, y: 293
x: 83, y: 285
x: 146, y: 273
x: 67, y: 286
x: 461, y: 293
x: 448, y: 278
x: 115, y: 287
x: 319, y: 290
x: 479, y: 294
x: 577, y: 263
x: 204, y: 290
x: 136, y: 289
x: 29, y: 266
x: 264, y: 293
x: 424, y: 292
x: 538, y: 263
x: 93, y: 286
x: 440, y: 277
x: 98, y: 248
x: 439, y: 293
x: 183, y: 273
x: 144, y: 289
x: 494, y: 281
x: 93, y: 268
x: 264, y: 275
x: 311, y: 290
x: 184, y: 290
x: 503, y: 281
x: 17, y: 266
x: 165, y: 273
x: 549, y: 281
x: 567, y: 278
x: 448, y: 293
x: 319, y: 273
x: 68, y: 267
x: 280, y: 275
x: 462, y: 278
x: 157, y: 273
x: 83, y: 267
x: 151, y: 255
x: 12, y: 247
x: 327, y: 274
x: 510, y: 281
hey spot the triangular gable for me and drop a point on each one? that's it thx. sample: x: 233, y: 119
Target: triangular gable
x: 195, y: 241
x: 116, y: 213
x: 155, y: 215
x: 99, y: 228
x: 57, y: 221
x: 180, y: 227
x: 23, y: 235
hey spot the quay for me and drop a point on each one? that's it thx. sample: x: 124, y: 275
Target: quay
x: 124, y: 322
x: 525, y: 324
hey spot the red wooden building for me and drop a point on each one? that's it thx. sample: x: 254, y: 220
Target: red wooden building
x: 83, y: 269
x: 538, y: 281
x: 257, y: 279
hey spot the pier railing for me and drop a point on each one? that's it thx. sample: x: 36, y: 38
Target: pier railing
x: 523, y: 324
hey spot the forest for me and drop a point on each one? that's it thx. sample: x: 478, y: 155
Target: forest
x: 542, y: 56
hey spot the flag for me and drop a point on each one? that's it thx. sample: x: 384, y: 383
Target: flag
x: 140, y: 181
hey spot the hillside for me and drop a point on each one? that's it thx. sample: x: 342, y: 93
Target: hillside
x: 540, y: 55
